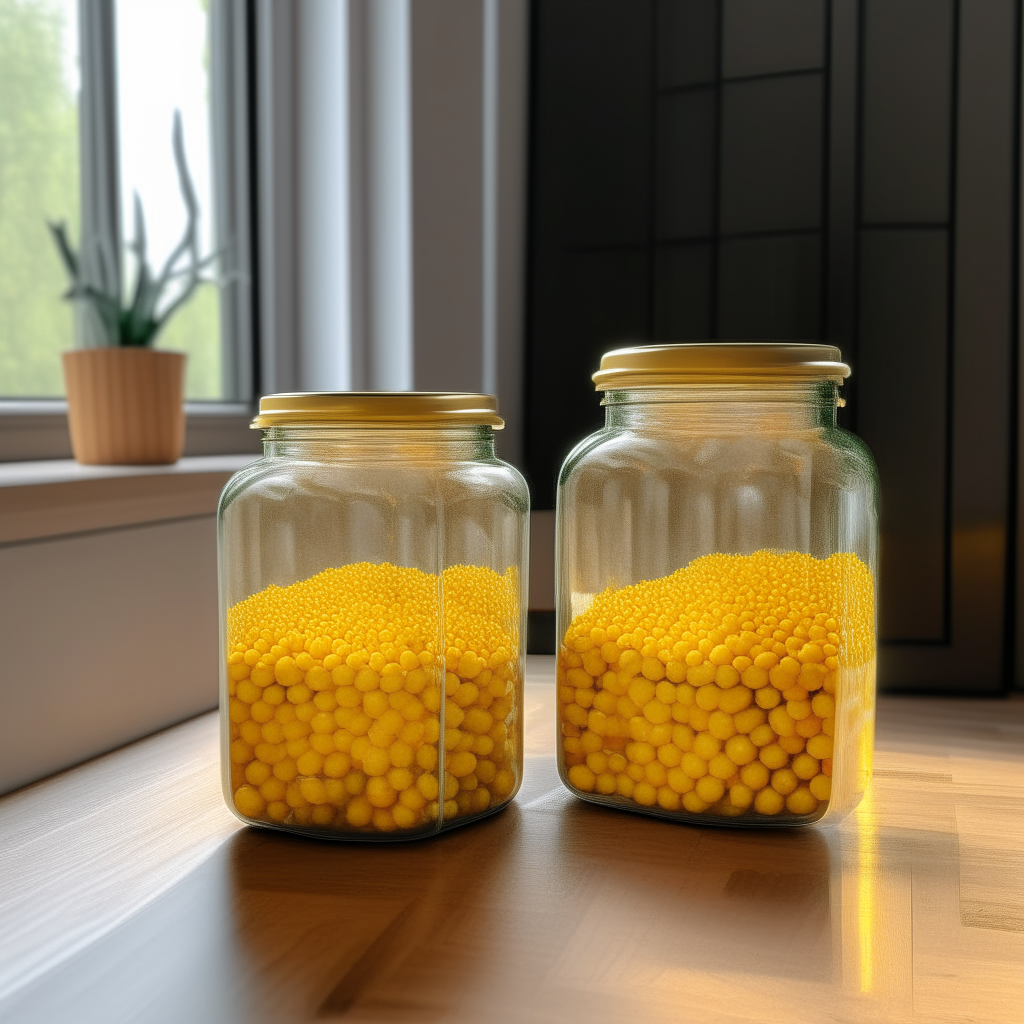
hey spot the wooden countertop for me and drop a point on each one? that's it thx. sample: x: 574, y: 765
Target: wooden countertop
x: 128, y: 893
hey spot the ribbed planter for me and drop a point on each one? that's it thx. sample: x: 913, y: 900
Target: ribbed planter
x: 125, y: 405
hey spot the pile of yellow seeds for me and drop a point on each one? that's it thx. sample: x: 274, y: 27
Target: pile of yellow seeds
x: 336, y: 685
x: 714, y: 690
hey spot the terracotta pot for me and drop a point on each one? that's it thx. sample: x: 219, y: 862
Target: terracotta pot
x: 125, y: 405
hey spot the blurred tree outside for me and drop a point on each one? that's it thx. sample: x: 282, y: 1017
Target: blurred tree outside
x: 38, y: 181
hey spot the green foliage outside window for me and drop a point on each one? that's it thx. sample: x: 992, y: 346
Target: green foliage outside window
x: 38, y: 180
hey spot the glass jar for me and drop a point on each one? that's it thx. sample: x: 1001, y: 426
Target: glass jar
x: 373, y: 602
x: 715, y: 589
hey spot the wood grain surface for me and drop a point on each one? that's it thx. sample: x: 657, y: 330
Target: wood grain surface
x: 129, y: 894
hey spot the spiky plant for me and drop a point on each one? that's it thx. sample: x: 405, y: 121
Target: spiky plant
x: 153, y: 297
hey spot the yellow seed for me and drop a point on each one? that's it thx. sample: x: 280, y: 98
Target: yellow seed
x: 784, y: 781
x: 742, y: 650
x: 755, y: 775
x: 709, y: 789
x: 805, y: 767
x: 645, y: 794
x: 740, y: 750
x: 769, y: 801
x: 249, y: 802
x: 741, y: 796
x: 693, y: 803
x: 821, y: 787
x: 344, y: 711
x: 801, y: 801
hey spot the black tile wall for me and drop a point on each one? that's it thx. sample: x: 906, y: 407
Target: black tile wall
x: 771, y: 154
x: 598, y: 121
x: 901, y: 364
x: 908, y: 45
x: 687, y: 42
x: 770, y: 287
x: 603, y: 298
x: 686, y: 166
x: 767, y: 36
x: 682, y: 291
x: 837, y: 169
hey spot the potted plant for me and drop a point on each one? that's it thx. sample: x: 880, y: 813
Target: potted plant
x: 125, y: 398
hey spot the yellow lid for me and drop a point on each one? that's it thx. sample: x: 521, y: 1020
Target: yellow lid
x: 718, y: 362
x: 380, y: 408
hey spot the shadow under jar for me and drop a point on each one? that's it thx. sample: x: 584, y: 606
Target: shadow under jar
x: 716, y: 580
x: 372, y: 594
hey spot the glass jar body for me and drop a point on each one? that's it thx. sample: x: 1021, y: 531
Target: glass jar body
x: 372, y: 596
x: 715, y: 592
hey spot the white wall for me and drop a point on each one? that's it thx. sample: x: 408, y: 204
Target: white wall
x: 107, y: 636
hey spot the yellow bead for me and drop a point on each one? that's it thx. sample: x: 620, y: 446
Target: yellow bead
x: 359, y: 812
x: 805, y: 767
x: 773, y: 756
x: 741, y: 796
x: 278, y: 810
x: 721, y: 725
x: 582, y: 777
x: 380, y: 792
x: 784, y: 781
x: 249, y: 802
x: 679, y: 781
x: 375, y: 761
x: 273, y: 789
x: 645, y: 794
x: 310, y: 763
x: 709, y: 789
x: 693, y: 803
x: 706, y: 746
x: 821, y: 787
x: 820, y: 746
x: 256, y: 773
x: 755, y: 775
x: 769, y: 801
x: 722, y: 767
x: 313, y: 790
x: 241, y: 752
x: 801, y: 801
x: 741, y: 750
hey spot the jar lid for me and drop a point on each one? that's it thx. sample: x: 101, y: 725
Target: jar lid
x: 718, y: 362
x: 381, y: 408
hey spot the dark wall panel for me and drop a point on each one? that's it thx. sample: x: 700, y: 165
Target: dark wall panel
x: 686, y: 166
x: 687, y: 42
x: 604, y: 302
x: 771, y: 154
x: 902, y: 367
x: 836, y: 169
x: 682, y: 289
x: 770, y: 287
x: 598, y: 122
x: 765, y: 36
x: 908, y: 46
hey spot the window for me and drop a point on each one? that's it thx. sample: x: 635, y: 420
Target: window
x: 153, y: 82
x: 38, y: 180
x: 120, y: 73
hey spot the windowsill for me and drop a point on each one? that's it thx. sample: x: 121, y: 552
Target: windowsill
x: 38, y: 429
x: 56, y: 497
